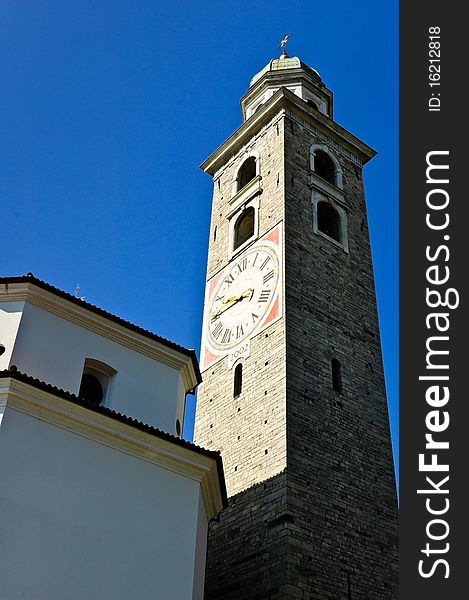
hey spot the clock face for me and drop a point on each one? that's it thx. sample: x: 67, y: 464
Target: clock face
x: 243, y: 297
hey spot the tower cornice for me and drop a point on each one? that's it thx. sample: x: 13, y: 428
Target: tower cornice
x: 284, y: 99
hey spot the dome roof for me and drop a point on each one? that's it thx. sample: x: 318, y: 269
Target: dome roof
x: 283, y: 63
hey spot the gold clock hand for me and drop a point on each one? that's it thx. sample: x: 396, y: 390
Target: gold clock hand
x: 233, y: 300
x: 249, y: 292
x: 226, y: 305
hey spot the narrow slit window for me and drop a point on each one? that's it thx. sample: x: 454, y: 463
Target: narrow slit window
x: 238, y: 380
x: 349, y: 587
x: 336, y: 376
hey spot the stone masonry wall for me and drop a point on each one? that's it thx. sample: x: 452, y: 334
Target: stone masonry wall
x: 341, y: 489
x: 314, y: 517
x: 249, y: 430
x: 248, y: 547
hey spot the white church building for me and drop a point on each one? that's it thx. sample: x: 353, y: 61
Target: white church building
x: 99, y: 495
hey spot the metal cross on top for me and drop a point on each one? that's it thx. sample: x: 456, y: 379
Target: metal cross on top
x: 283, y: 43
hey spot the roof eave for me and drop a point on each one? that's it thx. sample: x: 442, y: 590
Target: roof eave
x: 44, y: 295
x: 57, y: 406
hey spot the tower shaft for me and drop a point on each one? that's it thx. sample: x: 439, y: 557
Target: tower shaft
x: 305, y: 444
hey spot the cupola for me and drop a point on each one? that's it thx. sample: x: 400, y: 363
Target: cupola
x: 293, y: 74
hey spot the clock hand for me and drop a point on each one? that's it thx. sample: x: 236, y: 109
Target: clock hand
x: 233, y: 300
x: 226, y: 305
x: 249, y: 292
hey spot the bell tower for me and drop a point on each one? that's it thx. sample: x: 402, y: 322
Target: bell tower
x: 293, y: 388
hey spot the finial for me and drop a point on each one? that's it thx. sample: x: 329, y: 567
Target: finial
x: 283, y: 44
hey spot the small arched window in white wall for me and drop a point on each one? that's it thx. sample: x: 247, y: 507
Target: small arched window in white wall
x: 95, y: 381
x: 324, y: 164
x: 91, y: 389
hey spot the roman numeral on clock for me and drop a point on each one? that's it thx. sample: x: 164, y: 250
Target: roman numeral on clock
x: 265, y: 262
x: 217, y: 330
x: 243, y: 264
x: 226, y: 336
x: 264, y: 296
x: 239, y: 330
x: 268, y: 277
x: 254, y: 317
x: 229, y: 280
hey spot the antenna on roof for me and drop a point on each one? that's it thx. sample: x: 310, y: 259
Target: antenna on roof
x: 75, y: 293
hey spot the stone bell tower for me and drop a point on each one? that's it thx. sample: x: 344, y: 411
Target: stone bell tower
x: 293, y: 388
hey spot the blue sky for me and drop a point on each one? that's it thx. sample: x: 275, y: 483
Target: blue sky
x: 108, y: 109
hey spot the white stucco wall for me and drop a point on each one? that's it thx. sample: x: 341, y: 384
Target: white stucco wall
x: 10, y: 317
x: 83, y: 520
x: 54, y: 350
x: 201, y: 551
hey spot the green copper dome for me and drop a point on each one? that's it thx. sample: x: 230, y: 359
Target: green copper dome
x: 283, y: 63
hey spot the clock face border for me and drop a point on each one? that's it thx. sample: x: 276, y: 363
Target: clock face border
x: 270, y: 243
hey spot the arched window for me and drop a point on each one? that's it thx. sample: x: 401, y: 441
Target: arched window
x: 313, y: 104
x: 238, y: 380
x: 91, y: 389
x: 244, y: 227
x: 336, y: 375
x: 247, y: 172
x: 324, y: 166
x: 329, y: 221
x: 95, y: 381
